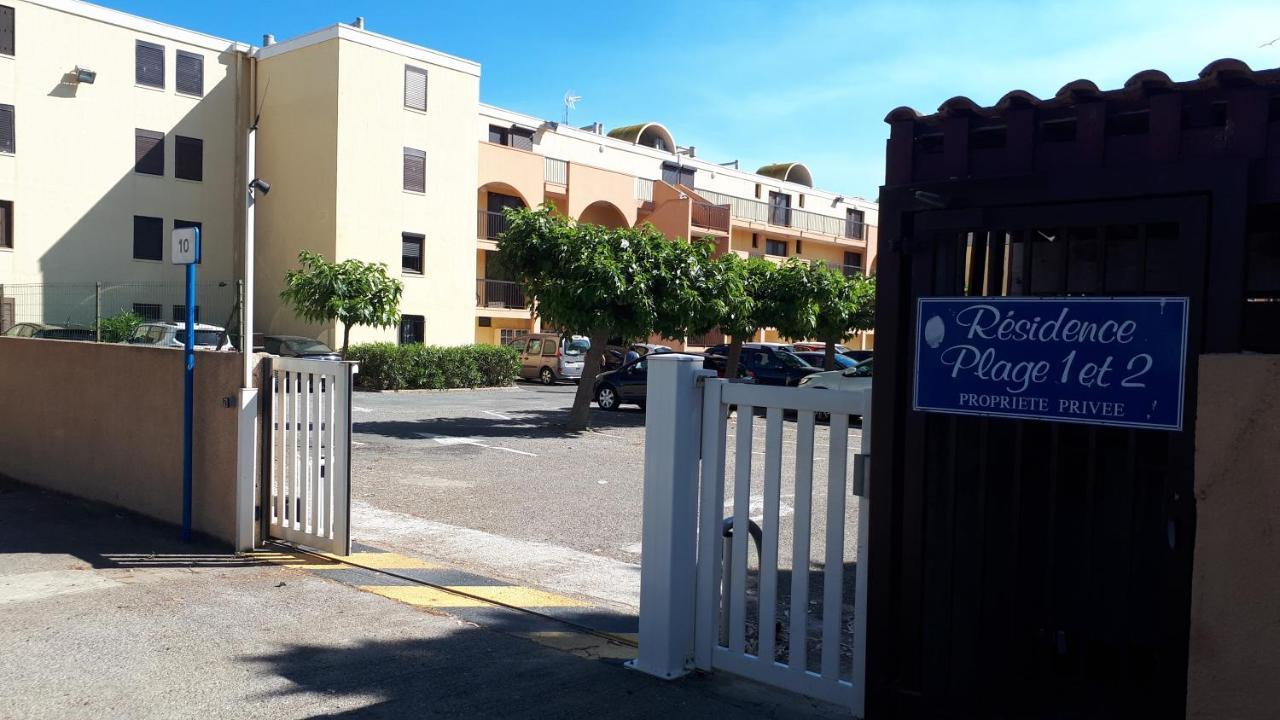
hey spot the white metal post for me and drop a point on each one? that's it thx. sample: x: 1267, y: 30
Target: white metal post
x: 668, y: 570
x: 246, y: 467
x: 863, y: 458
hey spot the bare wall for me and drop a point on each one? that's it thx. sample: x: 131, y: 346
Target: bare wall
x: 1234, y: 658
x: 104, y: 422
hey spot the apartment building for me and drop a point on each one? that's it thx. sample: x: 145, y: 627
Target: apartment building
x: 638, y: 174
x: 114, y: 129
x: 374, y: 148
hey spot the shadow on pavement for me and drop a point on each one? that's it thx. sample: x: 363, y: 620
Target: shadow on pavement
x: 523, y: 424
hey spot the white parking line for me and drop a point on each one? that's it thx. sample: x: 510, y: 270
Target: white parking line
x: 500, y: 416
x: 510, y: 450
x: 360, y: 409
x: 615, y: 437
x: 452, y: 440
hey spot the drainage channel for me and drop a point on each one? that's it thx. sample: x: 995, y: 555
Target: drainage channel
x: 619, y: 639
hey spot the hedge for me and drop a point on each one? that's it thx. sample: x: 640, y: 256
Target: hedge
x: 388, y: 366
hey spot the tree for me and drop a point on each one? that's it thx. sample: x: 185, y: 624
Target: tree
x: 118, y: 328
x: 818, y: 301
x: 746, y: 301
x: 603, y: 282
x: 351, y: 292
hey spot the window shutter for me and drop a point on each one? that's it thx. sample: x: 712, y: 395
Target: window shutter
x: 415, y: 88
x: 415, y: 170
x: 6, y: 223
x: 522, y: 139
x: 188, y: 158
x: 148, y: 152
x: 686, y: 176
x: 148, y: 65
x: 7, y: 143
x: 411, y: 252
x: 670, y: 174
x: 6, y: 30
x: 148, y: 235
x: 189, y: 74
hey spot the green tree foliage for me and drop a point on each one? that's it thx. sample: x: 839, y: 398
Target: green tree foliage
x: 606, y: 282
x: 118, y: 328
x: 818, y: 301
x: 351, y: 292
x: 747, y: 301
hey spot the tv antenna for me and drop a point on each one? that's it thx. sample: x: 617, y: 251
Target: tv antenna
x: 570, y: 102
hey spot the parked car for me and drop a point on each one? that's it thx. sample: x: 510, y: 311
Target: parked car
x: 857, y: 377
x: 44, y: 331
x: 550, y: 358
x: 818, y: 359
x: 629, y: 384
x: 817, y: 347
x: 766, y: 363
x: 859, y: 355
x: 615, y: 356
x: 297, y: 346
x: 174, y: 335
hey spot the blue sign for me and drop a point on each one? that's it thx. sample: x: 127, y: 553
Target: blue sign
x: 1102, y: 361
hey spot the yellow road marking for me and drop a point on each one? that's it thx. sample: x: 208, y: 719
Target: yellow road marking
x: 583, y: 644
x: 329, y: 561
x: 507, y: 594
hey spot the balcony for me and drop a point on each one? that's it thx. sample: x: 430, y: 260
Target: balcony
x: 794, y: 218
x: 491, y: 224
x: 500, y: 295
x: 851, y: 270
x: 711, y: 217
x: 555, y: 171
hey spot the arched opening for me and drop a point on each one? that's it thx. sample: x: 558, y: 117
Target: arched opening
x: 604, y: 213
x: 652, y: 135
x: 492, y: 199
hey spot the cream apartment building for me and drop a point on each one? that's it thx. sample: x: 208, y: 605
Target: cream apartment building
x: 113, y: 129
x: 374, y: 148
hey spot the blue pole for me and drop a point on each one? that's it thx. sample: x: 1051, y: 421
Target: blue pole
x: 188, y: 393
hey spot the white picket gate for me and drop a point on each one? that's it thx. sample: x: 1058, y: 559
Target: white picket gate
x: 684, y: 594
x: 307, y: 454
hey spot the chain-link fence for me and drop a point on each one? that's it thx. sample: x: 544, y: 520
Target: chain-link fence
x: 105, y: 311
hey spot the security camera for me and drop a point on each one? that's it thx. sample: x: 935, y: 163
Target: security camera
x: 260, y: 184
x: 85, y: 75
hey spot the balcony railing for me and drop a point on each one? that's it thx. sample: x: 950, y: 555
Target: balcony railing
x: 500, y: 294
x: 556, y: 171
x: 644, y: 190
x: 851, y: 270
x: 491, y: 224
x: 763, y: 212
x: 712, y: 217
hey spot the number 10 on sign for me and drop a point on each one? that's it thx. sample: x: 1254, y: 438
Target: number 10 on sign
x: 186, y: 246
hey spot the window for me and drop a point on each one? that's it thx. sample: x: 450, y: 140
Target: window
x: 799, y: 248
x: 415, y: 170
x: 188, y: 158
x: 411, y: 329
x: 148, y: 235
x: 415, y: 88
x: 780, y: 209
x: 7, y: 143
x: 499, y: 135
x: 775, y: 247
x: 6, y: 30
x: 508, y: 335
x: 673, y: 174
x: 148, y: 64
x: 484, y: 322
x: 755, y: 240
x: 189, y: 74
x: 6, y: 224
x: 411, y: 253
x: 534, y: 347
x: 179, y: 224
x: 759, y: 191
x: 854, y: 223
x: 147, y: 311
x: 521, y: 138
x: 180, y: 313
x: 148, y: 152
x: 801, y: 199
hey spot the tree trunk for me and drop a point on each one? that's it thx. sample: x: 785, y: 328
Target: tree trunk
x: 829, y: 355
x: 346, y: 339
x: 734, y: 359
x: 580, y: 415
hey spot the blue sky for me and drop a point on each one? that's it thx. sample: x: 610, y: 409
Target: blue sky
x: 771, y: 82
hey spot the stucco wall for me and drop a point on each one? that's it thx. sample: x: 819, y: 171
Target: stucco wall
x: 104, y: 422
x: 1234, y: 663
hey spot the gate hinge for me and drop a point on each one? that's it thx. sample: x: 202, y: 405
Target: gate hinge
x: 861, y: 468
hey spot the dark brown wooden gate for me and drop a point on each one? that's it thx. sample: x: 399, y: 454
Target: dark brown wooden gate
x: 1041, y: 569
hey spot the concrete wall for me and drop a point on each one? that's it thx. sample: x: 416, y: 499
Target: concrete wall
x: 1234, y: 663
x: 71, y: 177
x: 104, y: 422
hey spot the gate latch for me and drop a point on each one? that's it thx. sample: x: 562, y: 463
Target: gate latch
x: 861, y: 468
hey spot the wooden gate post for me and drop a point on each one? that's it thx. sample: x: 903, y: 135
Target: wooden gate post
x: 668, y: 570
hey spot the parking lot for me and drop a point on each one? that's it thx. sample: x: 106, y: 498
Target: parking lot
x: 537, y: 498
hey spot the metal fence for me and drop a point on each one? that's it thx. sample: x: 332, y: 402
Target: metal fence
x: 85, y: 306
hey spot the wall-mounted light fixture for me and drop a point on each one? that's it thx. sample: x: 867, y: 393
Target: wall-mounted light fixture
x: 85, y: 75
x: 260, y: 185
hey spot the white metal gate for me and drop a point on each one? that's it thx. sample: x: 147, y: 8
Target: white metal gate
x: 689, y: 420
x: 307, y: 454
